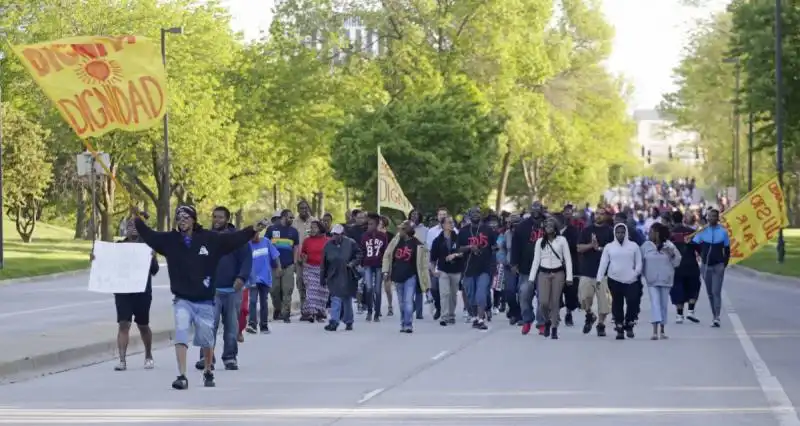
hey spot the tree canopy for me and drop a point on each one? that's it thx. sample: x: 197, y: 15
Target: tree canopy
x: 471, y: 102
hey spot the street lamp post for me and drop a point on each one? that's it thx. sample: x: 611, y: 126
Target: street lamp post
x: 165, y: 185
x: 779, y: 112
x: 2, y: 208
x: 737, y: 120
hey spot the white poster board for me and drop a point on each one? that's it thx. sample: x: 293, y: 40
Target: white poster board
x: 120, y: 268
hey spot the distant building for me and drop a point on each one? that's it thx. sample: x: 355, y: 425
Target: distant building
x: 656, y: 140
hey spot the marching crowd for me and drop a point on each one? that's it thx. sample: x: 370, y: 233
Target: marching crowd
x: 599, y: 261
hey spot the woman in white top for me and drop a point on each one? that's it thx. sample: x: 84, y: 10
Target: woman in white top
x: 552, y: 268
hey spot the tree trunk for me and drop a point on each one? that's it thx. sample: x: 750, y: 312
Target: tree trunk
x: 80, y: 213
x: 238, y: 218
x: 502, y: 184
x: 109, y: 190
x: 320, y: 204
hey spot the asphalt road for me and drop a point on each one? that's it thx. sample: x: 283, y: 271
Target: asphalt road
x: 36, y: 307
x: 742, y: 374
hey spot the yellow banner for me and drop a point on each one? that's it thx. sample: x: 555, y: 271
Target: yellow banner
x: 99, y: 83
x: 755, y: 220
x: 390, y: 195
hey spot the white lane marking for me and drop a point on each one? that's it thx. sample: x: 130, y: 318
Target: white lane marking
x: 52, y: 308
x: 440, y: 355
x: 781, y: 405
x: 370, y: 395
x: 400, y: 413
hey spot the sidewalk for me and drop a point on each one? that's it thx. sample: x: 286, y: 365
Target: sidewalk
x: 73, y: 345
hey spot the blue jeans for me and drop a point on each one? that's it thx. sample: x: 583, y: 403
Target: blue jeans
x: 226, y: 310
x: 511, y: 294
x: 405, y: 299
x: 258, y: 296
x: 199, y: 315
x: 341, y: 307
x: 527, y: 290
x: 477, y: 289
x: 372, y: 289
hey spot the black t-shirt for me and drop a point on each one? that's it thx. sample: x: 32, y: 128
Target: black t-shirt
x: 404, y: 260
x: 590, y: 260
x: 485, y: 238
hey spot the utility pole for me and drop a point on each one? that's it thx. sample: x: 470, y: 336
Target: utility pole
x: 779, y: 111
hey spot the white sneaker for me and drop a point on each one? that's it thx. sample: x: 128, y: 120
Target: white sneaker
x: 149, y: 364
x: 466, y: 316
x: 679, y: 319
x: 495, y: 311
x: 468, y: 319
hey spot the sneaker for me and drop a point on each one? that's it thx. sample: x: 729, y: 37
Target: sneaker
x: 377, y: 317
x: 436, y: 315
x: 369, y: 316
x: 601, y: 330
x: 348, y: 327
x: 122, y: 366
x: 420, y: 317
x: 468, y: 319
x: 568, y: 320
x: 208, y: 379
x: 451, y: 321
x: 526, y: 328
x: 554, y: 333
x: 495, y: 311
x: 629, y: 330
x: 443, y: 323
x: 466, y: 314
x: 475, y: 323
x: 276, y: 315
x: 541, y: 329
x: 691, y: 317
x: 679, y: 319
x: 149, y: 364
x: 547, y: 329
x: 181, y: 383
x: 331, y: 327
x: 390, y: 313
x: 251, y: 328
x: 502, y: 308
x: 307, y: 318
x: 240, y: 338
x: 512, y: 321
x: 620, y: 333
x: 231, y: 365
x: 715, y: 324
x: 265, y: 329
x: 287, y: 319
x: 588, y: 323
x: 482, y: 326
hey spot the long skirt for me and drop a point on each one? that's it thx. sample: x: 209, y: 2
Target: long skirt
x: 316, y: 295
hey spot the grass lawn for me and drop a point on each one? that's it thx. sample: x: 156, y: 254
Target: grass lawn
x: 766, y: 259
x: 51, y: 250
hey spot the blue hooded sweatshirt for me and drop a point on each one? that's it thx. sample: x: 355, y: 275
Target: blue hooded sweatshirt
x: 232, y: 266
x: 265, y: 254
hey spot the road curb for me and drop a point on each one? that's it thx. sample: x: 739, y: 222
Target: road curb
x: 752, y: 273
x: 67, y: 359
x: 72, y: 358
x: 47, y: 277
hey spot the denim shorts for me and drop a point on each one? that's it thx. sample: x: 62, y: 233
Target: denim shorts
x: 199, y: 315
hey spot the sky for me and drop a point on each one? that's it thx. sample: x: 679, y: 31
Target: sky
x: 649, y: 42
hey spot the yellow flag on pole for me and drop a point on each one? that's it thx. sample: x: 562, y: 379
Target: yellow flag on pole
x: 755, y: 220
x: 100, y: 84
x: 390, y: 195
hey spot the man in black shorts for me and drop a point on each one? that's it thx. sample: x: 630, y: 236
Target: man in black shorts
x: 135, y: 307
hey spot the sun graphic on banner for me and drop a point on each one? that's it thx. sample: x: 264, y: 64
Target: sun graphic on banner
x: 95, y: 71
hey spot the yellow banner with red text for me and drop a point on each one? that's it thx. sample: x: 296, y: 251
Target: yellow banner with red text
x: 100, y: 84
x: 390, y: 194
x: 755, y: 220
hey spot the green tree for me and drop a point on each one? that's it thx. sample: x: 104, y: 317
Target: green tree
x: 442, y: 148
x: 27, y: 170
